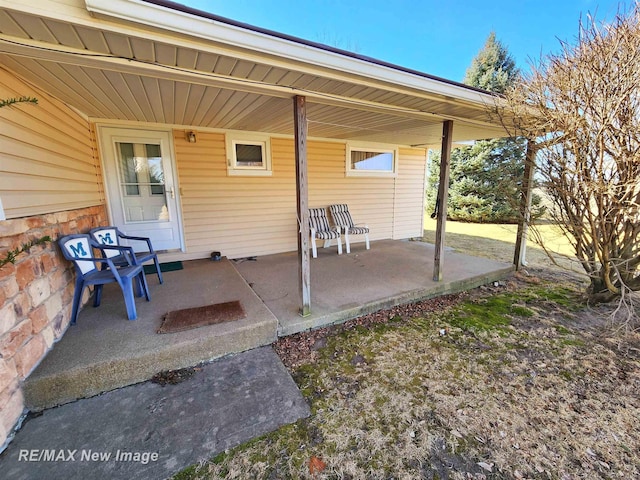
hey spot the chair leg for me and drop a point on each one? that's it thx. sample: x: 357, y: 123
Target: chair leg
x: 138, y: 289
x: 314, y: 248
x: 141, y: 286
x: 129, y: 299
x: 346, y: 242
x: 144, y: 285
x: 77, y: 296
x: 339, y: 246
x: 366, y: 239
x: 97, y: 295
x: 158, y: 269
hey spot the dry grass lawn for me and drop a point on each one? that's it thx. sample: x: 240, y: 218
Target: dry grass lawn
x: 497, y: 242
x: 515, y: 381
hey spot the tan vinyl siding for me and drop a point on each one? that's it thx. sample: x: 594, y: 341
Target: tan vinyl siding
x: 243, y: 216
x: 47, y: 154
x: 237, y: 215
x: 370, y: 199
x: 409, y: 194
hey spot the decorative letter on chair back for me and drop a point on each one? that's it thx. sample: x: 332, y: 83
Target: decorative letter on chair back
x: 342, y: 218
x: 75, y: 248
x: 79, y: 250
x: 320, y: 229
x: 110, y: 236
x: 107, y: 236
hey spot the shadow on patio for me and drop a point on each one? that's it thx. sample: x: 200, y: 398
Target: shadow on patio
x: 106, y: 351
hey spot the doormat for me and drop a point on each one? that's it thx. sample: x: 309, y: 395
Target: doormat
x: 180, y: 320
x: 164, y: 267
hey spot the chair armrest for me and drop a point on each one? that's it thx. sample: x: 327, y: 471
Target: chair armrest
x: 90, y: 259
x: 127, y: 252
x: 141, y: 239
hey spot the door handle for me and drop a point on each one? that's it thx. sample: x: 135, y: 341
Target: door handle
x: 172, y: 192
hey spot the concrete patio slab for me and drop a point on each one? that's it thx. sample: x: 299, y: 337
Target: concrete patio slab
x: 104, y: 350
x: 346, y: 286
x: 147, y: 431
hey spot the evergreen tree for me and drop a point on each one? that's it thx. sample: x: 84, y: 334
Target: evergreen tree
x: 485, y: 179
x: 493, y: 69
x: 486, y: 176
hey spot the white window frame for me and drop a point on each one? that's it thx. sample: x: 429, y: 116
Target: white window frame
x: 234, y: 138
x: 366, y: 147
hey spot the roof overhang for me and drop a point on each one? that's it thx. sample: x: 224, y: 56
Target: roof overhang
x: 159, y: 62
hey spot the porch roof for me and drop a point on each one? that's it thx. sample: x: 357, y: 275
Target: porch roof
x: 159, y: 62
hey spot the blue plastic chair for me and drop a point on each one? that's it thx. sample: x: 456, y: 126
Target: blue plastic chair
x: 112, y: 236
x: 78, y: 249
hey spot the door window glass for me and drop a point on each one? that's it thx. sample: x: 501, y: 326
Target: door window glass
x: 142, y: 182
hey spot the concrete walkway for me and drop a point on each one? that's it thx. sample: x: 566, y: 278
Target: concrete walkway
x: 148, y: 431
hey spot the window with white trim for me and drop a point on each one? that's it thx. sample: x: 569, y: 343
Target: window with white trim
x: 248, y: 154
x: 371, y: 161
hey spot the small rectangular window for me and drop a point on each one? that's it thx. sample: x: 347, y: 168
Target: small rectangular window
x: 371, y: 162
x: 248, y: 154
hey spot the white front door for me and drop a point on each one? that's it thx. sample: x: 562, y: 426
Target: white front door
x: 140, y: 181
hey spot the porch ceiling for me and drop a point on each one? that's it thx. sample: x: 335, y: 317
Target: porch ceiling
x: 112, y: 69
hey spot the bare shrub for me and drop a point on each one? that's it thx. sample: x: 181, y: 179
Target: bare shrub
x: 581, y: 107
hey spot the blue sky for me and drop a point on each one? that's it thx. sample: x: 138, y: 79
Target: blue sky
x: 437, y: 37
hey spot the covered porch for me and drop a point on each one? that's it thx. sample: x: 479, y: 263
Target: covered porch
x: 105, y: 351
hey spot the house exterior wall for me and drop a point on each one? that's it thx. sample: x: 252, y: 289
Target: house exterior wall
x: 47, y: 152
x: 36, y: 294
x: 409, y: 195
x: 236, y: 215
x: 244, y: 216
x: 50, y: 184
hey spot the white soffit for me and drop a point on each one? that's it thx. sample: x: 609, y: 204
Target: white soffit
x: 139, y: 11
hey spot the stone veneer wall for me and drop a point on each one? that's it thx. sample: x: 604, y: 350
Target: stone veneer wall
x: 35, y: 300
